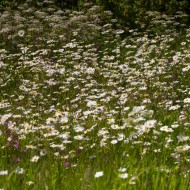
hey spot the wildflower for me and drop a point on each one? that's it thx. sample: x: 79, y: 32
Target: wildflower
x: 183, y: 43
x: 175, y: 125
x: 150, y: 123
x: 17, y: 160
x: 103, y: 143
x: 67, y: 164
x: 102, y: 132
x: 114, y: 141
x: 119, y: 31
x: 114, y: 126
x: 123, y: 175
x: 21, y: 33
x: 157, y: 150
x: 136, y: 110
x: 182, y: 138
x: 30, y: 146
x: 99, y: 174
x: 182, y: 148
x: 90, y: 70
x: 29, y: 182
x: 56, y: 153
x: 174, y: 107
x: 4, y: 172
x: 78, y: 137
x: 132, y: 180
x: 19, y: 170
x: 186, y: 68
x: 122, y: 169
x: 186, y: 100
x: 166, y: 129
x: 58, y: 114
x: 16, y: 144
x: 34, y: 159
x: 50, y: 121
x: 91, y: 104
x: 120, y: 137
x: 64, y: 119
x: 123, y: 98
x: 78, y: 128
x: 4, y: 118
x: 65, y: 135
x: 43, y: 152
x: 111, y: 121
x: 143, y: 129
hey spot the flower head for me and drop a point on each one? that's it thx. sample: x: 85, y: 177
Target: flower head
x: 99, y: 174
x: 35, y: 159
x: 123, y: 175
x: 186, y: 100
x: 4, y: 172
x: 21, y: 33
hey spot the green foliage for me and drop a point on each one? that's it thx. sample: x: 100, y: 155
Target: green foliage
x: 132, y: 5
x: 130, y: 10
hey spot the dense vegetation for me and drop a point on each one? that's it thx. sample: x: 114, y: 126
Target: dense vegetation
x: 126, y: 10
x: 90, y: 102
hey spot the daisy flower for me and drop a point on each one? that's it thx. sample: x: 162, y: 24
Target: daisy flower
x: 166, y: 129
x: 34, y: 159
x: 4, y: 172
x: 99, y: 174
x: 21, y: 33
x: 150, y: 123
x: 186, y: 100
x: 123, y: 175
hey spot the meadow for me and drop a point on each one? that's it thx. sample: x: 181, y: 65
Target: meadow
x: 87, y: 103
